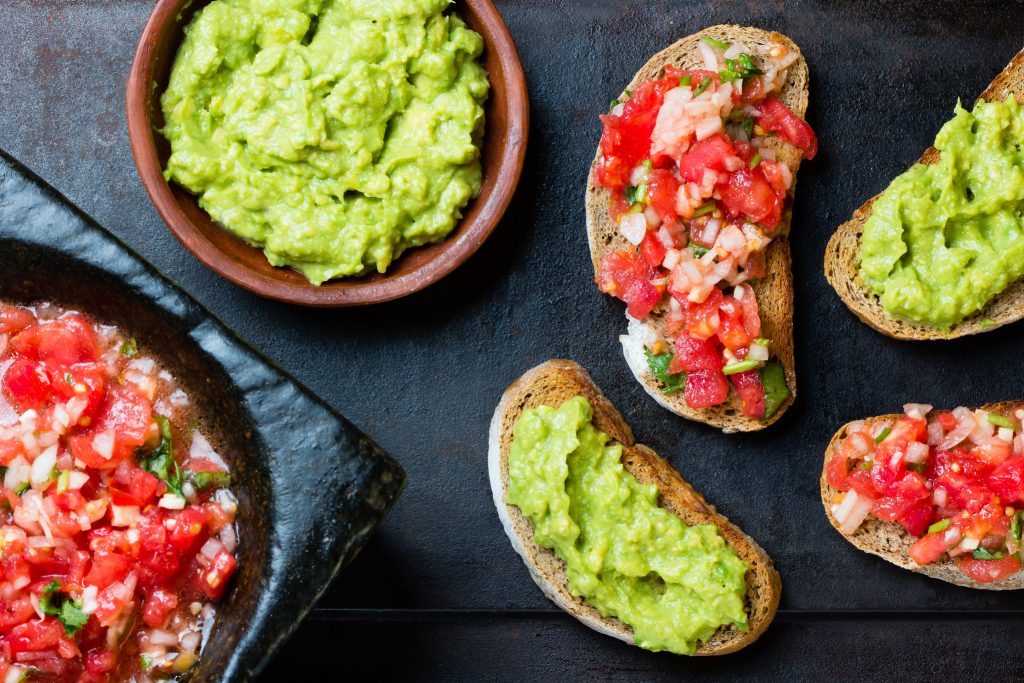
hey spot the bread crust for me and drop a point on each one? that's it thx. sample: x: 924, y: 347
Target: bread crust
x: 890, y: 541
x: 842, y: 255
x: 774, y: 292
x: 551, y: 384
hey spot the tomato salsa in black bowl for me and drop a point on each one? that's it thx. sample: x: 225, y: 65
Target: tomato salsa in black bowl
x: 309, y: 488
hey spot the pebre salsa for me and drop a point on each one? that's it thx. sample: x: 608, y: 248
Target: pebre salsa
x: 696, y: 189
x: 117, y: 528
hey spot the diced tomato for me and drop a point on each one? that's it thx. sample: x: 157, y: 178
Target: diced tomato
x: 14, y: 319
x: 702, y: 319
x: 188, y: 530
x: 100, y: 661
x: 947, y: 420
x: 1007, y: 480
x: 213, y: 579
x: 918, y: 517
x: 35, y: 636
x: 777, y: 118
x: 902, y: 493
x: 756, y: 267
x: 140, y: 488
x: 907, y: 429
x: 26, y: 385
x: 751, y: 391
x: 837, y: 470
x: 662, y: 187
x: 624, y: 276
x: 85, y: 380
x: 753, y: 90
x: 993, y: 452
x: 986, y: 571
x: 706, y: 154
x: 157, y: 607
x: 694, y: 354
x: 61, y: 343
x: 749, y: 194
x: 931, y: 547
x: 652, y: 251
x: 107, y: 568
x: 773, y: 174
x: 127, y: 415
x: 705, y: 388
x: 751, y: 316
x: 731, y: 330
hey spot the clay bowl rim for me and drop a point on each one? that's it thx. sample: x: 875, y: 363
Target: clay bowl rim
x: 422, y: 265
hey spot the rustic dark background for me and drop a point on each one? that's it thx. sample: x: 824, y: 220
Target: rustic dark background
x: 439, y: 594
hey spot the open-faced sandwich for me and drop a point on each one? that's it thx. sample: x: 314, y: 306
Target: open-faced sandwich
x: 940, y: 253
x: 936, y: 492
x: 688, y: 211
x: 611, y: 533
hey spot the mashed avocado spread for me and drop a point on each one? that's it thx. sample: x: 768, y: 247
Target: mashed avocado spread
x: 334, y: 134
x: 673, y: 584
x: 945, y: 238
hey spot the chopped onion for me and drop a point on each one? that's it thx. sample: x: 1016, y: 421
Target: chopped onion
x: 917, y: 453
x: 852, y: 512
x: 917, y: 410
x: 162, y: 638
x: 103, y: 444
x: 652, y: 217
x: 710, y: 233
x: 708, y: 127
x: 1006, y: 434
x: 939, y: 497
x: 935, y: 433
x: 172, y: 501
x: 42, y: 468
x: 633, y: 227
x: 758, y: 352
x: 965, y: 425
x: 857, y: 426
x: 709, y: 56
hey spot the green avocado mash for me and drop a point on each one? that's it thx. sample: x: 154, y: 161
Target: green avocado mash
x: 673, y: 584
x: 334, y: 134
x: 945, y: 238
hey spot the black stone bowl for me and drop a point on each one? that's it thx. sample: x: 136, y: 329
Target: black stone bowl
x: 311, y: 488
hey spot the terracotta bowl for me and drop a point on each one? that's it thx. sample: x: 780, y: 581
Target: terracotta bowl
x: 504, y: 147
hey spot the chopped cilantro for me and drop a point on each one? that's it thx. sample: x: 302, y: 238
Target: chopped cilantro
x: 986, y: 322
x: 613, y: 104
x: 986, y: 554
x: 160, y: 462
x: 884, y: 433
x: 699, y: 251
x: 129, y: 348
x: 717, y: 43
x: 635, y: 194
x: 627, y: 93
x: 57, y: 604
x: 658, y: 363
x: 776, y: 391
x: 145, y: 662
x: 703, y: 86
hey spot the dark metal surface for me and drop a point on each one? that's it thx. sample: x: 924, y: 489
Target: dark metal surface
x: 422, y: 375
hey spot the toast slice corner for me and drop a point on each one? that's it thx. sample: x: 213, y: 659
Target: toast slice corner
x: 890, y: 541
x: 551, y: 384
x: 842, y: 255
x: 774, y: 292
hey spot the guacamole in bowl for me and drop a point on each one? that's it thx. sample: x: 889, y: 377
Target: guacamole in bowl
x: 334, y: 135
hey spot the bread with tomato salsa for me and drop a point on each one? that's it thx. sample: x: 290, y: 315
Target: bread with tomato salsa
x: 773, y: 288
x: 551, y: 384
x: 891, y: 540
x: 842, y: 255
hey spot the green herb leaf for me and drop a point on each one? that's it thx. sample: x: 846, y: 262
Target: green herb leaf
x: 743, y: 68
x: 129, y: 348
x: 613, y: 104
x: 940, y: 525
x: 986, y: 554
x: 145, y: 662
x: 703, y: 86
x: 658, y: 363
x: 1016, y: 525
x: 748, y: 126
x: 160, y: 462
x: 636, y: 194
x: 72, y: 616
x: 884, y: 433
x: 717, y: 43
x: 755, y: 161
x: 54, y: 603
x: 705, y: 209
x: 740, y: 366
x: 1000, y: 421
x: 627, y: 93
x: 206, y: 480
x: 699, y: 251
x: 776, y: 391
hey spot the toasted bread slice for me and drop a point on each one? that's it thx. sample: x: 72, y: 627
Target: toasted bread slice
x: 774, y: 292
x: 891, y: 542
x: 842, y: 255
x: 551, y: 384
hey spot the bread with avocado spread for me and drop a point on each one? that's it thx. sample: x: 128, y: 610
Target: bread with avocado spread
x: 843, y: 256
x: 564, y: 383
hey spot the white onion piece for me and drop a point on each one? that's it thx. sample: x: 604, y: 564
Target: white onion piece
x: 857, y: 426
x: 965, y: 425
x: 633, y: 227
x: 758, y: 352
x: 652, y: 217
x: 917, y: 410
x: 162, y: 638
x: 708, y: 127
x: 708, y: 54
x: 852, y: 512
x: 42, y: 467
x: 939, y: 497
x: 917, y: 453
x: 1005, y: 433
x: 935, y: 434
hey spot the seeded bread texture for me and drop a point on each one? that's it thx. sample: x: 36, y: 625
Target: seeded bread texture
x: 555, y: 382
x: 774, y: 292
x: 842, y: 255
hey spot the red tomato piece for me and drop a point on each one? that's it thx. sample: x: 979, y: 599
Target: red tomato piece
x: 986, y: 571
x: 662, y: 187
x: 652, y: 251
x: 14, y: 319
x: 695, y: 354
x: 748, y: 193
x: 213, y: 579
x: 127, y: 415
x: 107, y: 568
x: 100, y: 661
x: 158, y: 607
x: 26, y: 385
x: 710, y: 153
x: 837, y: 470
x: 1007, y: 480
x: 705, y: 388
x: 751, y: 315
x: 703, y: 320
x: 60, y: 344
x: 931, y: 547
x: 777, y: 118
x: 748, y: 386
x: 624, y: 276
